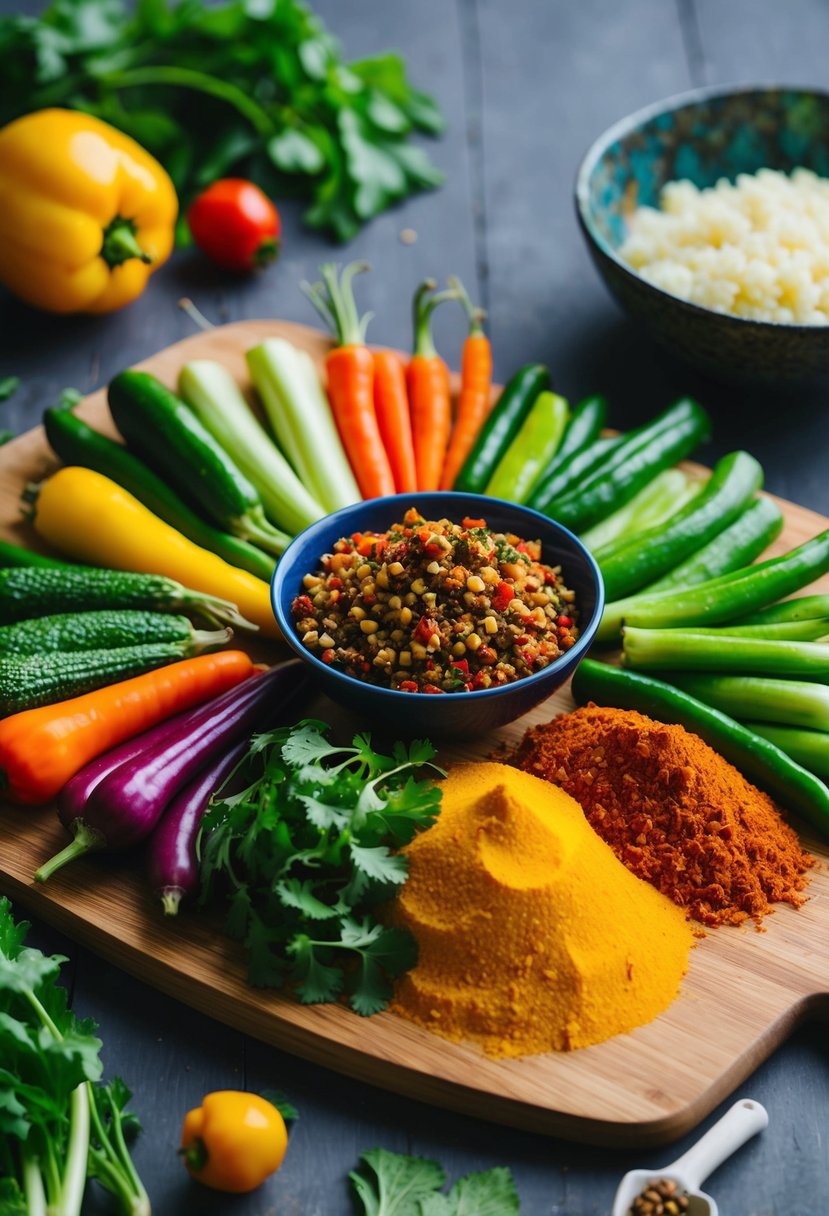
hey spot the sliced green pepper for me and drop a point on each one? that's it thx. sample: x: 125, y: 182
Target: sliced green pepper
x: 534, y: 445
x: 573, y: 471
x: 585, y: 425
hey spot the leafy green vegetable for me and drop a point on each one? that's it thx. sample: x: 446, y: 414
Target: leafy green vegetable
x: 302, y: 856
x: 392, y: 1184
x: 253, y: 88
x: 49, y: 1093
x: 8, y: 386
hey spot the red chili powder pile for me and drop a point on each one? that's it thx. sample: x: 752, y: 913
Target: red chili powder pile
x: 673, y: 810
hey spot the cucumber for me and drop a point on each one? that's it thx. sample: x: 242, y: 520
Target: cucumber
x: 29, y: 681
x: 102, y: 630
x: 27, y: 591
x: 165, y: 432
x: 78, y: 444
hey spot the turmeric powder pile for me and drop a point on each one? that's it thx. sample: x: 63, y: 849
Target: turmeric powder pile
x: 531, y: 935
x: 673, y: 810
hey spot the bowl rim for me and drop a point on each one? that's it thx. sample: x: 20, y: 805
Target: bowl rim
x: 573, y: 655
x: 622, y: 127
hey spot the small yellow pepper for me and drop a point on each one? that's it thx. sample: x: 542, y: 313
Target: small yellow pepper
x: 86, y: 215
x: 86, y: 516
x: 233, y: 1141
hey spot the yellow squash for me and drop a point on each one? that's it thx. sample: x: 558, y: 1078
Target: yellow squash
x: 90, y: 518
x: 86, y: 215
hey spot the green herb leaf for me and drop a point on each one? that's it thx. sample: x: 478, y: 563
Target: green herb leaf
x: 392, y: 1184
x: 282, y: 1103
x: 305, y: 853
x: 8, y: 386
x: 488, y: 1193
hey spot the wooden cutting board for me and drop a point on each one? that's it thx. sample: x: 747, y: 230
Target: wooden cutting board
x: 744, y: 991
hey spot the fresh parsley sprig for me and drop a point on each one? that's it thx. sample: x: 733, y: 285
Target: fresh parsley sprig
x: 253, y: 89
x: 303, y: 854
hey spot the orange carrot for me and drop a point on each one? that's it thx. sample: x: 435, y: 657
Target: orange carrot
x: 430, y: 401
x: 391, y: 403
x: 40, y: 749
x: 474, y: 402
x: 350, y: 368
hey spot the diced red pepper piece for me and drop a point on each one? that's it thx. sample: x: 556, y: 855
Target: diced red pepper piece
x: 335, y: 583
x: 503, y: 597
x: 462, y: 665
x: 565, y: 621
x: 408, y: 686
x: 433, y: 688
x: 302, y: 606
x: 424, y: 629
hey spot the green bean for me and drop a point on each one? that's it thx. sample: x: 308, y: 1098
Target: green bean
x: 658, y: 649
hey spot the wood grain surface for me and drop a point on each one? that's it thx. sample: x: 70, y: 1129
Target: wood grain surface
x: 743, y: 993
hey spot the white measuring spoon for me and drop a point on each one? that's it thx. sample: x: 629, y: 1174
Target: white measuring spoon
x: 745, y: 1119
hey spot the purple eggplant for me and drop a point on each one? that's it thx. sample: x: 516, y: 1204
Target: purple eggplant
x: 173, y: 865
x: 124, y: 807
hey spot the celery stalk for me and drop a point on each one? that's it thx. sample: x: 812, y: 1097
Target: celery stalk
x: 289, y: 385
x: 655, y: 502
x: 213, y: 394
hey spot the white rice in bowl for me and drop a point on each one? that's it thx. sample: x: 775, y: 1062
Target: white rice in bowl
x: 757, y: 248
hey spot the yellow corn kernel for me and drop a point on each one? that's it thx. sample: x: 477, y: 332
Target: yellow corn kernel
x: 490, y: 624
x: 405, y: 616
x: 357, y: 612
x: 382, y: 578
x: 418, y: 586
x: 396, y: 568
x: 474, y: 583
x: 433, y: 568
x: 473, y: 641
x: 311, y: 580
x: 458, y: 649
x: 310, y: 638
x: 418, y: 650
x: 326, y: 641
x: 363, y: 571
x: 405, y: 659
x: 369, y: 626
x: 395, y: 603
x: 489, y: 574
x: 434, y: 642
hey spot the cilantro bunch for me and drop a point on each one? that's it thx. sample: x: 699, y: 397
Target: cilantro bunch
x: 300, y: 858
x: 252, y: 88
x: 392, y: 1184
x: 58, y: 1123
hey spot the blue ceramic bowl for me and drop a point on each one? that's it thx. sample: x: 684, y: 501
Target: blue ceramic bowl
x: 453, y: 714
x: 704, y: 136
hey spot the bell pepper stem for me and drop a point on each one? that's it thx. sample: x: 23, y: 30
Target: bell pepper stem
x: 120, y: 243
x: 194, y: 1155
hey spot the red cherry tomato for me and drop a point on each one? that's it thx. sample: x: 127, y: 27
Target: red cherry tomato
x: 235, y: 224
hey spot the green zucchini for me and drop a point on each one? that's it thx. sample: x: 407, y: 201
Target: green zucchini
x: 102, y: 630
x: 32, y: 680
x: 165, y: 432
x: 29, y: 592
x: 78, y: 444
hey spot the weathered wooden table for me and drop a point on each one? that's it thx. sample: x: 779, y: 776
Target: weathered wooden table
x: 526, y: 86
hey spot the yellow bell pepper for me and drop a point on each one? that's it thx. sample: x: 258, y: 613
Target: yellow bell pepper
x: 86, y: 215
x: 88, y: 517
x: 233, y: 1141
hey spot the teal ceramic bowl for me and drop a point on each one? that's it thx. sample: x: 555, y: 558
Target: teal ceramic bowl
x: 704, y: 136
x: 457, y: 714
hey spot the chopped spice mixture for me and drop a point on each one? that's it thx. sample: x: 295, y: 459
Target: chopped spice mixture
x: 673, y: 810
x: 436, y: 607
